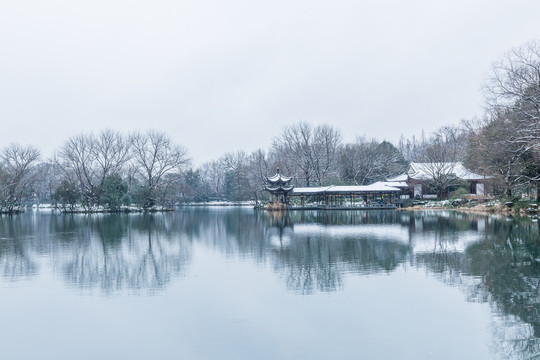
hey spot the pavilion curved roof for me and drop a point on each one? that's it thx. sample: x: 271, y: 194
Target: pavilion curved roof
x: 279, y: 188
x: 278, y: 178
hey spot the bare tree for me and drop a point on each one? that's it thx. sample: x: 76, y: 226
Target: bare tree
x: 258, y: 170
x: 453, y: 138
x: 412, y: 148
x: 513, y: 93
x: 235, y: 167
x: 47, y: 181
x: 312, y: 150
x: 365, y: 162
x: 75, y: 159
x: 18, y: 174
x: 295, y: 144
x: 439, y: 164
x: 358, y: 162
x: 213, y: 179
x: 159, y: 163
x: 491, y: 152
x: 326, y: 145
x: 515, y: 83
x: 244, y: 175
x: 87, y: 159
x: 111, y: 151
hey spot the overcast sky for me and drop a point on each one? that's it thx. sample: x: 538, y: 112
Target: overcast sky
x: 221, y: 76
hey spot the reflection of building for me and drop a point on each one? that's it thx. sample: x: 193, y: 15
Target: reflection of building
x: 279, y: 187
x: 419, y: 175
x: 279, y: 231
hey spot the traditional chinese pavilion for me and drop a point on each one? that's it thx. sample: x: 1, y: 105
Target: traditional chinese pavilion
x: 279, y: 188
x: 380, y: 195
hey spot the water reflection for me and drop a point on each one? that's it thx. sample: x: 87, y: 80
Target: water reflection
x: 311, y: 250
x: 16, y: 261
x: 112, y: 252
x: 508, y: 263
x: 491, y: 260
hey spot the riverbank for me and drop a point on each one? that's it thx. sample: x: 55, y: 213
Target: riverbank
x: 521, y: 207
x: 221, y: 203
x: 78, y: 209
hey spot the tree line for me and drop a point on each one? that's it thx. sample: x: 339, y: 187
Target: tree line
x: 147, y: 169
x: 506, y: 142
x: 106, y: 170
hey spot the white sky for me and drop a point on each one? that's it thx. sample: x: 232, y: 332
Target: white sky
x: 222, y: 76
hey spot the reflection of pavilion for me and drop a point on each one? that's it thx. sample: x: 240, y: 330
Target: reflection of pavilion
x: 280, y: 231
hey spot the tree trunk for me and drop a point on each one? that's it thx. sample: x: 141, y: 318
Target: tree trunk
x: 256, y: 198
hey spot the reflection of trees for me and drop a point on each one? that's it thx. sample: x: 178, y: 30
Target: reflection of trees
x: 136, y: 251
x: 449, y: 267
x: 508, y: 264
x: 15, y: 262
x: 317, y: 261
x: 344, y: 217
x: 503, y: 268
x: 124, y: 251
x: 312, y: 251
x: 16, y: 257
x: 112, y: 252
x: 231, y: 232
x: 309, y: 264
x: 444, y: 232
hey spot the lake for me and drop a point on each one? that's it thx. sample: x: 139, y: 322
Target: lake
x: 235, y: 283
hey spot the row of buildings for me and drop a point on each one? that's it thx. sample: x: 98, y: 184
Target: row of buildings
x: 417, y: 182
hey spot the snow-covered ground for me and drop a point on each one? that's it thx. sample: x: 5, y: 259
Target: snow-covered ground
x: 221, y: 203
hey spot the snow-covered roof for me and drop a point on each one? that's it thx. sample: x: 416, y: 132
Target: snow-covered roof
x: 397, y: 184
x: 279, y: 178
x: 381, y: 186
x: 425, y: 171
x: 376, y: 187
x: 278, y: 187
x: 310, y: 190
x: 399, y: 178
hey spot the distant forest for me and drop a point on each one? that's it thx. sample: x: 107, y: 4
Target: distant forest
x: 111, y: 169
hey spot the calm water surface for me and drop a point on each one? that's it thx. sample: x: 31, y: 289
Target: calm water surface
x: 233, y: 283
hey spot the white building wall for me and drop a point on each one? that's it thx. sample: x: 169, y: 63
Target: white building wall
x: 480, y: 189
